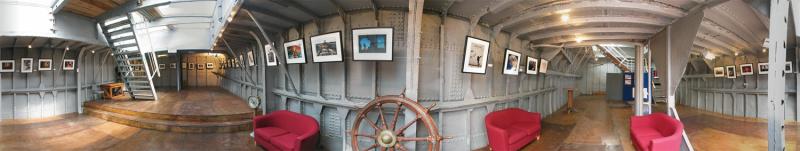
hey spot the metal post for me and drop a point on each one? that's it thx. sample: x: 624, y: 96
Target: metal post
x: 638, y: 79
x: 413, y: 34
x: 778, y: 29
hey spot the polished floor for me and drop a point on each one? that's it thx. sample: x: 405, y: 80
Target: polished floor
x: 207, y: 101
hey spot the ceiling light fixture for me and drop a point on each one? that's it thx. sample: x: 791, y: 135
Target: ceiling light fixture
x: 564, y: 18
x: 578, y: 39
x: 709, y: 55
x: 92, y: 51
x: 29, y: 47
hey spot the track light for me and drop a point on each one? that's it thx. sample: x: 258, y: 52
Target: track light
x: 29, y: 47
x: 564, y: 18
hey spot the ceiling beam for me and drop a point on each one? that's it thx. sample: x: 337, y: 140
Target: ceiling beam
x: 714, y: 40
x: 267, y: 12
x: 574, y: 31
x: 647, y: 7
x: 716, y: 28
x: 596, y: 19
x: 600, y: 42
x: 58, y: 5
x: 703, y: 43
x: 557, y: 40
x: 503, y: 5
x: 292, y: 3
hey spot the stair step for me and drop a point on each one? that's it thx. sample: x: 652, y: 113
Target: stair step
x: 127, y: 53
x: 125, y: 45
x: 117, y: 24
x: 119, y: 32
x: 142, y: 121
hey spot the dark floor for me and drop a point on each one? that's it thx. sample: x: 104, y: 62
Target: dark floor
x: 190, y: 101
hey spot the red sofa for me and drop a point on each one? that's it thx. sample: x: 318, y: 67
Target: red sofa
x: 656, y: 132
x: 511, y: 129
x: 286, y: 131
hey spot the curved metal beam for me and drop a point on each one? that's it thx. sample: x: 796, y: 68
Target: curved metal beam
x: 596, y: 19
x: 716, y: 41
x: 648, y: 7
x: 599, y: 37
x: 599, y: 42
x: 558, y: 33
x: 716, y: 28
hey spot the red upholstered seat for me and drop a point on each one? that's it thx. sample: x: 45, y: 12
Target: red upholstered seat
x: 511, y: 129
x: 286, y: 131
x: 656, y: 132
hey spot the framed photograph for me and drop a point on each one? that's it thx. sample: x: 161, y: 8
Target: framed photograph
x: 162, y: 66
x: 45, y: 64
x: 730, y: 71
x: 69, y: 64
x: 543, y: 66
x: 183, y: 65
x: 476, y: 54
x: 788, y: 67
x: 295, y: 52
x: 210, y: 65
x: 173, y: 65
x: 511, y: 62
x: 6, y: 65
x: 26, y: 65
x: 532, y: 66
x: 191, y: 66
x: 763, y: 68
x: 719, y: 71
x: 250, y: 60
x: 372, y: 44
x: 746, y: 69
x: 327, y: 47
x: 272, y: 59
x: 201, y: 66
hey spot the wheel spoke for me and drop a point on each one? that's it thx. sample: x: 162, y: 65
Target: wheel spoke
x: 406, y: 139
x: 371, y: 147
x: 371, y: 124
x: 400, y: 147
x: 396, y: 114
x: 365, y: 135
x: 380, y: 113
x: 399, y: 131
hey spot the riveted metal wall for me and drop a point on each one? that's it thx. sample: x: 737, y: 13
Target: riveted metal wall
x: 48, y: 93
x: 743, y: 96
x: 204, y: 77
x: 332, y: 92
x: 593, y: 80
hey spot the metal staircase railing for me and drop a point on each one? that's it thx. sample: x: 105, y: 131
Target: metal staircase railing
x: 616, y: 57
x: 133, y: 64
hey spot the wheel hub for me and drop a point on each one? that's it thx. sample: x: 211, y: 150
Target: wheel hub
x: 386, y: 138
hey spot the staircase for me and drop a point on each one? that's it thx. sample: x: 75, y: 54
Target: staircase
x: 133, y: 65
x: 617, y: 57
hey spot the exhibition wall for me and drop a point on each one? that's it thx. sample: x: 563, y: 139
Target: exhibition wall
x: 54, y: 92
x: 169, y: 73
x: 332, y: 92
x: 593, y: 80
x: 201, y: 68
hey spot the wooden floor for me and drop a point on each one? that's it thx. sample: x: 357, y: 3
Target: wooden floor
x: 190, y: 101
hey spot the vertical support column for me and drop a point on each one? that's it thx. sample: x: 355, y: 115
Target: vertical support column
x: 778, y: 29
x: 79, y: 90
x: 414, y: 23
x: 639, y: 84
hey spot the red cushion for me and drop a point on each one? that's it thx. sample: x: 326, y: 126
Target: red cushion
x: 523, y: 127
x: 268, y: 132
x: 284, y: 142
x: 514, y: 136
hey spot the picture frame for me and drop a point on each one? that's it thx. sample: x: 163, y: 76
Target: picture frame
x: 26, y: 65
x: 476, y: 55
x: 532, y: 66
x: 201, y: 66
x: 6, y: 65
x: 183, y: 65
x: 209, y: 65
x: 730, y: 72
x: 543, y: 65
x: 68, y: 64
x: 45, y: 64
x: 162, y: 66
x: 373, y: 43
x: 719, y: 71
x: 788, y: 67
x: 746, y: 69
x: 272, y: 58
x: 191, y: 66
x: 295, y: 52
x: 250, y: 60
x: 511, y: 61
x: 763, y: 68
x: 173, y: 65
x: 327, y: 47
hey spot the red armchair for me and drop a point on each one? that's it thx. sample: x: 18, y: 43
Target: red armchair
x: 511, y: 129
x: 286, y: 131
x: 656, y: 132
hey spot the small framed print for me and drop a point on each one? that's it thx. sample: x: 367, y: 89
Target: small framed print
x: 476, y: 53
x: 210, y: 65
x: 45, y: 64
x: 69, y: 64
x: 730, y: 71
x: 272, y: 59
x: 719, y: 71
x: 543, y: 65
x: 372, y: 44
x: 532, y: 65
x: 201, y: 66
x: 788, y: 67
x: 162, y: 66
x: 191, y: 66
x: 295, y: 52
x: 6, y: 65
x: 183, y: 65
x: 327, y: 47
x: 746, y: 69
x: 26, y: 65
x: 250, y: 60
x: 763, y: 68
x: 511, y: 62
x: 173, y: 65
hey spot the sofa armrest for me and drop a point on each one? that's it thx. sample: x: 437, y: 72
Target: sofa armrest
x: 498, y: 138
x: 669, y: 143
x: 261, y: 121
x: 308, y: 142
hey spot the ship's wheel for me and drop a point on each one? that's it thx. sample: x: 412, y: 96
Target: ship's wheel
x: 388, y: 135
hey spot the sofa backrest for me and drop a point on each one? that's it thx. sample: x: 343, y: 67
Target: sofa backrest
x: 294, y: 122
x: 505, y: 117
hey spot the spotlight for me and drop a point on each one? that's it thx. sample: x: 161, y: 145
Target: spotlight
x: 578, y: 39
x: 92, y: 51
x: 29, y: 47
x: 564, y: 18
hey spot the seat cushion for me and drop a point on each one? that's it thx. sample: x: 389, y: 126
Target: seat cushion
x: 644, y: 141
x: 646, y: 132
x: 528, y: 128
x: 514, y: 136
x: 269, y: 132
x: 286, y: 141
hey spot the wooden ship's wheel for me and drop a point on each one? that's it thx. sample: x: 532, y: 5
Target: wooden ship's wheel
x: 388, y: 135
